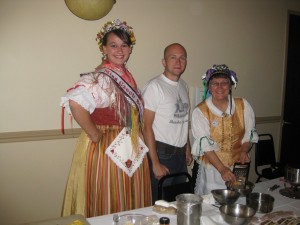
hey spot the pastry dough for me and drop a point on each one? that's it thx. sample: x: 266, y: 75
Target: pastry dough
x: 164, y: 207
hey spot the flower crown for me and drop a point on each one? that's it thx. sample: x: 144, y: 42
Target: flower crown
x: 220, y: 69
x: 114, y: 25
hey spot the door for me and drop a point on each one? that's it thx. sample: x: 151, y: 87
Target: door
x: 290, y: 139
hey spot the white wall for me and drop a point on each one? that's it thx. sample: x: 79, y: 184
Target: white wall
x: 44, y: 47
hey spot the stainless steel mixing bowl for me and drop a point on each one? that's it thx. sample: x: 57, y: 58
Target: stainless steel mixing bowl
x: 224, y: 196
x: 237, y: 214
x: 244, y: 191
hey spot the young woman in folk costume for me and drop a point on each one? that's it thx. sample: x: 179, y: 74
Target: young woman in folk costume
x: 109, y: 171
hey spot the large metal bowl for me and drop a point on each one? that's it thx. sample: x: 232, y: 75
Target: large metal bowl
x: 261, y: 202
x: 237, y: 214
x: 224, y: 196
x: 243, y: 190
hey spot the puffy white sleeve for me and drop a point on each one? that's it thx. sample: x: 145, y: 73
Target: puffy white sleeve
x: 249, y: 118
x: 92, y: 91
x: 201, y: 134
x: 81, y: 96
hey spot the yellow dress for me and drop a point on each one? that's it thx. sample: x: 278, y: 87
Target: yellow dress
x: 96, y: 185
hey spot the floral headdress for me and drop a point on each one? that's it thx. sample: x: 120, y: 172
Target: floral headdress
x: 218, y: 69
x: 114, y: 25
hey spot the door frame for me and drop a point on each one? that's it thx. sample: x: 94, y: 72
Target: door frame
x: 281, y: 142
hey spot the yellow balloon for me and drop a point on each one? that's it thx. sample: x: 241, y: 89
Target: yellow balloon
x: 90, y: 9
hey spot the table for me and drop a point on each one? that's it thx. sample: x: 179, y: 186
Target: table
x: 211, y: 215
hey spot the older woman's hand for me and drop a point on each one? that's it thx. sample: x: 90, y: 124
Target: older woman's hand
x: 227, y: 175
x: 244, y: 157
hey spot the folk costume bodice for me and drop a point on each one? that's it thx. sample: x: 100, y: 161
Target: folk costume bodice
x: 227, y: 131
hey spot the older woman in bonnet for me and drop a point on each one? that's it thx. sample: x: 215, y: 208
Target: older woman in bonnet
x: 224, y: 128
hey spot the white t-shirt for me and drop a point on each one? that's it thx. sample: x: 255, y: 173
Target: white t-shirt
x: 170, y: 102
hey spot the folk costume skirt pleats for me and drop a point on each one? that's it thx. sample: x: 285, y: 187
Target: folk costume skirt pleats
x: 97, y: 186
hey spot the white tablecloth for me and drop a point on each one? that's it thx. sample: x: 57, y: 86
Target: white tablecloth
x: 210, y: 214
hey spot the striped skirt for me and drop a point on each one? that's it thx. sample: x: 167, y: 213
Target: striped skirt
x: 97, y: 186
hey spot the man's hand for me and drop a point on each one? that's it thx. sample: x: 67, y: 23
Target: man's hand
x: 160, y: 170
x: 189, y: 158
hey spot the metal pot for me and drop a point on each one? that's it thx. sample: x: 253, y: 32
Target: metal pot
x: 292, y: 175
x: 189, y: 209
x: 261, y: 202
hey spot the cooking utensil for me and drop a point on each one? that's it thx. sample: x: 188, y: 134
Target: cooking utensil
x: 261, y: 202
x: 224, y: 196
x: 241, y: 172
x: 189, y: 209
x: 293, y: 175
x: 274, y: 187
x: 237, y: 214
x: 236, y: 186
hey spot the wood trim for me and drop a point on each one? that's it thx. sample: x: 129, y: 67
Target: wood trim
x: 269, y: 119
x: 41, y: 135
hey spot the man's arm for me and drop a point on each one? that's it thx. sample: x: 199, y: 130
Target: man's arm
x: 189, y: 158
x: 159, y: 170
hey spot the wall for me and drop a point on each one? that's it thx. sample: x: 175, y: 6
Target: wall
x: 44, y: 47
